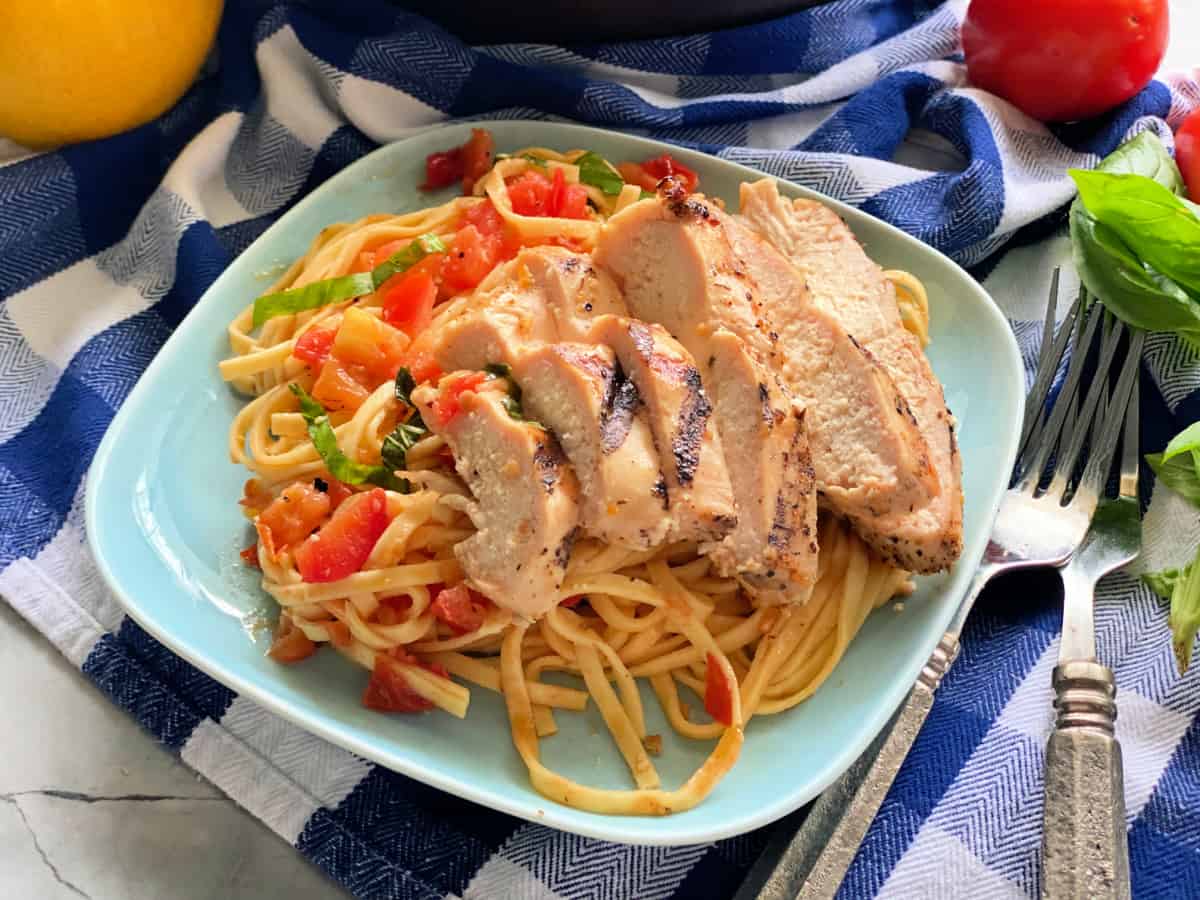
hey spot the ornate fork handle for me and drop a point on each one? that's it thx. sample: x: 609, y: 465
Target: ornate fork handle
x: 1084, y: 846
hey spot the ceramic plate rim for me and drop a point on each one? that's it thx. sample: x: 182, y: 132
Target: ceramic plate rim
x: 548, y: 813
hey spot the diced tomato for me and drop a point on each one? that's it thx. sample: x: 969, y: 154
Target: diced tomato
x: 461, y: 608
x: 633, y: 173
x: 392, y: 610
x: 337, y: 388
x: 250, y: 555
x: 422, y: 365
x: 294, y: 515
x: 368, y: 344
x: 255, y: 497
x: 529, y: 194
x: 408, y: 302
x: 572, y: 601
x: 448, y: 404
x: 477, y: 155
x: 339, y: 633
x: 290, y: 644
x: 558, y: 192
x: 443, y: 169
x: 718, y: 695
x: 388, y: 689
x: 333, y: 489
x: 574, y: 204
x: 471, y: 258
x: 661, y: 166
x: 491, y: 225
x: 343, y: 544
x: 313, y: 346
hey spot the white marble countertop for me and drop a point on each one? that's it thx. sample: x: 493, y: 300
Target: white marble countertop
x: 93, y: 807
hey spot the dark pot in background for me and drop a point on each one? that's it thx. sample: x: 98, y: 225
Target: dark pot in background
x: 591, y: 21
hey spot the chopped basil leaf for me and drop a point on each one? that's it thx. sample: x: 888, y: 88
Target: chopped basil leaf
x: 340, y: 466
x: 1178, y: 467
x: 405, y: 385
x: 512, y: 401
x: 1182, y: 588
x: 396, y: 445
x: 345, y: 287
x: 536, y: 160
x: 598, y: 172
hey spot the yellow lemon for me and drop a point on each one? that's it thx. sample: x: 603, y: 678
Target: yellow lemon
x: 75, y: 70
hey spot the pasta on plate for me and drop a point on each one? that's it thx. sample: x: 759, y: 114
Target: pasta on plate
x: 396, y: 501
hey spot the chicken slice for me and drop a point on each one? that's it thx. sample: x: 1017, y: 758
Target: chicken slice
x: 526, y: 500
x: 695, y: 481
x: 851, y: 287
x: 773, y: 549
x: 693, y: 268
x: 579, y: 392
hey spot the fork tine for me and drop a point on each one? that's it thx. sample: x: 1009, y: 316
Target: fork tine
x: 1076, y: 432
x: 1046, y: 364
x: 1095, y: 474
x: 1129, y: 441
x: 1045, y: 436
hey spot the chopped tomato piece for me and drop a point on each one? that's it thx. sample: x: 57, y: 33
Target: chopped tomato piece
x: 574, y: 204
x: 471, y: 258
x: 476, y: 157
x: 337, y: 388
x: 443, y: 169
x: 344, y: 542
x: 290, y: 644
x: 491, y: 225
x: 447, y: 404
x: 461, y: 608
x: 339, y: 633
x: 423, y: 367
x: 718, y: 695
x: 408, y: 302
x: 313, y: 346
x: 661, y: 166
x: 634, y: 173
x: 572, y: 601
x: 529, y: 194
x: 250, y: 555
x: 294, y: 515
x: 255, y: 497
x: 369, y: 342
x: 333, y: 489
x: 388, y: 689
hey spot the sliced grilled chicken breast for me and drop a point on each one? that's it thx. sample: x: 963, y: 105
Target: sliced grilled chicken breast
x: 773, y: 549
x: 696, y: 483
x: 691, y: 267
x: 579, y: 392
x: 851, y: 287
x: 526, y: 501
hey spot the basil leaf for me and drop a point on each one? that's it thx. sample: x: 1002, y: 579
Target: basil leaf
x: 1148, y: 219
x: 1182, y: 588
x: 536, y: 160
x: 1186, y: 440
x: 344, y: 287
x: 596, y: 171
x: 1181, y: 474
x: 647, y: 195
x: 396, y: 445
x: 340, y: 466
x: 1113, y: 273
x: 1145, y: 155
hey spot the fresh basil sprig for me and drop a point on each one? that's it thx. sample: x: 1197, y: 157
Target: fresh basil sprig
x: 1182, y: 588
x: 595, y: 170
x: 340, y: 466
x: 1178, y: 466
x: 345, y: 287
x: 1135, y: 240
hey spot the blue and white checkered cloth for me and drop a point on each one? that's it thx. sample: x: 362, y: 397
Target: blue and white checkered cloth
x: 104, y: 247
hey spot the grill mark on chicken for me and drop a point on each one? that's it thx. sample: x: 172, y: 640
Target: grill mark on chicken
x: 621, y: 402
x: 782, y: 534
x: 547, y: 459
x: 768, y: 413
x: 562, y: 553
x: 694, y: 417
x: 679, y: 201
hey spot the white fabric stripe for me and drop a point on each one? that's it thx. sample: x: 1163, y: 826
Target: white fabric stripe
x: 56, y: 330
x: 329, y: 773
x: 198, y: 173
x: 938, y: 867
x: 26, y: 380
x: 50, y: 610
x: 298, y: 94
x: 251, y: 780
x: 382, y: 112
x: 498, y: 877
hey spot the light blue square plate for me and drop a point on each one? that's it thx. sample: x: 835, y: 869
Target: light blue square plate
x: 164, y: 524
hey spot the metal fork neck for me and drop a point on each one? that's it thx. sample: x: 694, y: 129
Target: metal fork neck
x: 1084, y: 696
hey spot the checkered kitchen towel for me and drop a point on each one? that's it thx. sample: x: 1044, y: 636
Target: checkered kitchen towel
x: 104, y: 248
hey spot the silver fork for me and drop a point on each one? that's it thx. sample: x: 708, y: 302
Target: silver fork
x: 1085, y: 851
x: 1034, y: 527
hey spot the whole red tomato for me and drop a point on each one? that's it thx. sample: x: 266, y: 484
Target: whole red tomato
x: 1062, y: 60
x: 1187, y: 153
